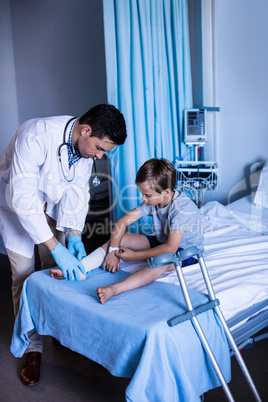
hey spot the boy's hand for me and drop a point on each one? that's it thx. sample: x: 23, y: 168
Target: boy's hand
x: 126, y: 254
x: 111, y: 262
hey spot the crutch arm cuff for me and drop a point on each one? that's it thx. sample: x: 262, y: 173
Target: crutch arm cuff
x: 188, y: 253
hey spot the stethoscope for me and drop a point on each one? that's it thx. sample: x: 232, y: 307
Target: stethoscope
x: 96, y: 180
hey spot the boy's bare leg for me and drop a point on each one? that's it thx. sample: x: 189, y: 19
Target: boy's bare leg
x: 140, y: 278
x: 135, y: 241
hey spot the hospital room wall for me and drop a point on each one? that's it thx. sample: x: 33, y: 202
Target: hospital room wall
x: 52, y: 60
x: 8, y: 94
x: 241, y: 87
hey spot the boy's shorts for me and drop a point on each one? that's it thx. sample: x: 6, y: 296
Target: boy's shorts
x: 154, y: 243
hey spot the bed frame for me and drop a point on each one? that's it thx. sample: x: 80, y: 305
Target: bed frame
x: 257, y: 320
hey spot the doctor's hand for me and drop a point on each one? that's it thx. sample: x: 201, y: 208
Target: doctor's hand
x: 76, y: 247
x: 67, y: 262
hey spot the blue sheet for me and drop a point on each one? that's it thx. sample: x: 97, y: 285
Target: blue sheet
x: 128, y: 335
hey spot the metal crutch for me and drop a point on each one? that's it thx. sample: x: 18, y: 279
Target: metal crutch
x: 192, y: 313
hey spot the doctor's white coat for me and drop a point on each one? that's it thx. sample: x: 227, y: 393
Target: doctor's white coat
x: 31, y: 177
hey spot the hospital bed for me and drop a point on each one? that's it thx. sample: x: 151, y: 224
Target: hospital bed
x: 129, y: 334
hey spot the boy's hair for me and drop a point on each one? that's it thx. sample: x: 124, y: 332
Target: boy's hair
x: 160, y: 173
x: 106, y: 121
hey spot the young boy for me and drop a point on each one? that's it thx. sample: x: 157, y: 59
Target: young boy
x: 176, y: 223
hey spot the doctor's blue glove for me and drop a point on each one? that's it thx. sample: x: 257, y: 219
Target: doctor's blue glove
x: 76, y: 247
x: 67, y: 262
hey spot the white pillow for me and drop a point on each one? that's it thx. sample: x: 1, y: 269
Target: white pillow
x: 261, y: 196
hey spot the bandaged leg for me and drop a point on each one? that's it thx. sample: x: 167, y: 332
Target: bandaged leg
x: 90, y: 262
x: 94, y: 259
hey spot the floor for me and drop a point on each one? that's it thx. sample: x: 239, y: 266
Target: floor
x: 67, y: 376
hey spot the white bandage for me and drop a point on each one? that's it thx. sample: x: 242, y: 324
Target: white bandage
x: 91, y: 261
x: 82, y: 277
x: 94, y: 259
x: 113, y: 249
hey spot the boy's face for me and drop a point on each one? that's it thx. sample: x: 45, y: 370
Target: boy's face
x: 150, y: 196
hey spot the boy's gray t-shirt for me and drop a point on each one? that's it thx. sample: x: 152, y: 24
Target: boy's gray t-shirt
x: 180, y: 214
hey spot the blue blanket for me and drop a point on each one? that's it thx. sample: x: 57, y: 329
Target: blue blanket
x: 128, y: 335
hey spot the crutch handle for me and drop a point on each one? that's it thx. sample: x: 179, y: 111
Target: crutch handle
x: 188, y: 253
x: 161, y: 260
x: 193, y: 313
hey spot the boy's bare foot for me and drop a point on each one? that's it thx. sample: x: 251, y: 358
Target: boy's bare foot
x: 106, y: 293
x: 56, y: 273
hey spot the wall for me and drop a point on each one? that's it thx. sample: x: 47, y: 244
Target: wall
x: 240, y: 63
x: 195, y: 32
x: 55, y: 59
x: 8, y: 93
x: 52, y: 61
x: 241, y: 33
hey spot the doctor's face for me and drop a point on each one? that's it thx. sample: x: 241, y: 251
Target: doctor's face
x: 94, y: 147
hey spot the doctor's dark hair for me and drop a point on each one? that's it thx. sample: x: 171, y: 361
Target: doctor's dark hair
x: 106, y: 121
x: 160, y: 173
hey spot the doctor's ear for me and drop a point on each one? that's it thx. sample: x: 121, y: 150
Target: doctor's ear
x: 86, y: 131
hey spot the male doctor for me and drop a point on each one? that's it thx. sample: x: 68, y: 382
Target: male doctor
x: 44, y: 195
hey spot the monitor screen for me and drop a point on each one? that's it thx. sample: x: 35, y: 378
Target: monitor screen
x: 195, y: 125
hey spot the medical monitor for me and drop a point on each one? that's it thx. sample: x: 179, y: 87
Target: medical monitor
x: 195, y: 125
